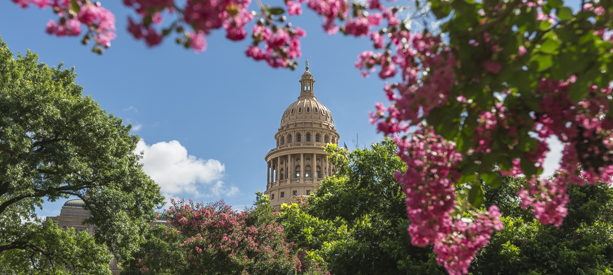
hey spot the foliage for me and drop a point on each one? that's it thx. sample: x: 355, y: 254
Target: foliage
x: 51, y: 250
x: 582, y: 245
x: 214, y: 239
x: 355, y: 221
x: 485, y: 91
x: 55, y: 143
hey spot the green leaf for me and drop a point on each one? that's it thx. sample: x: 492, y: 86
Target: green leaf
x: 565, y: 13
x: 545, y: 25
x: 467, y: 178
x: 550, y: 46
x: 555, y: 3
x: 475, y: 195
x: 276, y: 10
x: 492, y: 179
x: 75, y: 6
x: 544, y: 61
x: 528, y: 167
x: 578, y: 90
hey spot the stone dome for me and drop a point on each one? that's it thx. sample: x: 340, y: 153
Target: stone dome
x: 307, y: 108
x: 74, y: 203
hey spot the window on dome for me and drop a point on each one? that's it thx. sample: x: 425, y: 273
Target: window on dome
x: 307, y: 171
x: 272, y: 196
x: 282, y: 140
x: 326, y: 138
x: 317, y: 138
x: 298, y: 171
x: 317, y: 172
x: 315, y: 109
x: 289, y: 139
x: 295, y: 193
x: 305, y: 88
x: 308, y: 109
x: 299, y: 110
x: 298, y: 138
x: 292, y: 111
x: 282, y: 194
x: 308, y: 137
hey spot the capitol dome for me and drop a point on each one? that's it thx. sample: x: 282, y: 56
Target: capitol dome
x: 298, y: 162
x: 75, y: 203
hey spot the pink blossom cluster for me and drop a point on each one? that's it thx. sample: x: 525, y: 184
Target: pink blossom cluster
x: 280, y: 46
x: 99, y: 21
x: 456, y: 251
x: 428, y: 185
x: 203, y: 16
x: 216, y: 231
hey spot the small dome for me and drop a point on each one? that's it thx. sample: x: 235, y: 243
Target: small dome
x: 74, y: 203
x: 307, y: 109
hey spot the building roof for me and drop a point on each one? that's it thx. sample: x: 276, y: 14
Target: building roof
x: 75, y: 203
x: 307, y: 108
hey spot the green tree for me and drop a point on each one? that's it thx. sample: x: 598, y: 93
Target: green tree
x: 356, y: 221
x: 582, y: 245
x: 55, y: 143
x: 355, y: 224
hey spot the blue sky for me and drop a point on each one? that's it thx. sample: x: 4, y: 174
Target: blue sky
x: 206, y: 119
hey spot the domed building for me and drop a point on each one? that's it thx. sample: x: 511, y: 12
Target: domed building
x: 299, y: 163
x: 73, y: 214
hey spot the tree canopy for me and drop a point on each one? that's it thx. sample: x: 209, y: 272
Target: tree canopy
x: 484, y: 90
x: 56, y: 143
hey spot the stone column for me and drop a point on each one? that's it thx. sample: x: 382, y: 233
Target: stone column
x: 277, y: 173
x: 301, y: 167
x: 314, y: 168
x: 268, y: 174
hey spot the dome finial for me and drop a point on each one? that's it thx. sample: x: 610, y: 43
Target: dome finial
x: 307, y: 63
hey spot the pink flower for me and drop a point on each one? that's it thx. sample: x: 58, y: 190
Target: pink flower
x: 293, y: 8
x: 492, y: 66
x: 522, y: 50
x: 152, y: 38
x: 197, y: 42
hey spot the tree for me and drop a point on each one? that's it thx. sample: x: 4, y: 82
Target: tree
x: 582, y: 245
x: 483, y: 92
x: 355, y: 222
x: 346, y: 228
x: 214, y: 239
x: 55, y: 143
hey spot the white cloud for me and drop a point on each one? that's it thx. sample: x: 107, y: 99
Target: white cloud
x: 131, y: 108
x: 179, y: 174
x: 137, y: 127
x: 552, y: 161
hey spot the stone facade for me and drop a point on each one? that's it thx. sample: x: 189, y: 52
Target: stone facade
x: 73, y: 214
x: 298, y: 163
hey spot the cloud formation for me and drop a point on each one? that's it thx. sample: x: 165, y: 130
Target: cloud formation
x: 552, y: 161
x: 131, y: 108
x: 178, y: 173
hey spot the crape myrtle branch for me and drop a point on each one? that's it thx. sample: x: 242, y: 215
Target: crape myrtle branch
x: 483, y: 95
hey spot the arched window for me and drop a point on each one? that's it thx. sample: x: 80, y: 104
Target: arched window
x: 307, y: 171
x: 298, y: 138
x: 282, y: 173
x: 317, y: 138
x: 317, y: 172
x: 298, y: 171
x: 289, y: 139
x: 292, y: 111
x: 326, y: 138
x: 282, y: 140
x: 308, y: 109
x: 299, y: 110
x: 315, y: 109
x: 308, y: 137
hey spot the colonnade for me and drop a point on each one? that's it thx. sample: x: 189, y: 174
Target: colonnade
x: 292, y: 168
